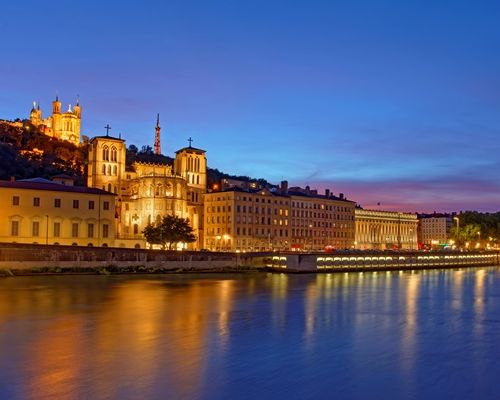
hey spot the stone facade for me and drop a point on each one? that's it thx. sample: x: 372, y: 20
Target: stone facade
x: 383, y: 230
x: 148, y: 191
x: 60, y: 125
x: 47, y: 212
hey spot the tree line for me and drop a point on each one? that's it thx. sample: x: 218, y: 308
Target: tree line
x: 476, y: 227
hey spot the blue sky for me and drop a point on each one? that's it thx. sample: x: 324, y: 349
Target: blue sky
x: 386, y: 101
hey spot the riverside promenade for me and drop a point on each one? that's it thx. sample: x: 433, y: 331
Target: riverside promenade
x: 22, y: 259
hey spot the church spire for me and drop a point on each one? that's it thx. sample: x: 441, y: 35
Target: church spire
x: 157, y: 135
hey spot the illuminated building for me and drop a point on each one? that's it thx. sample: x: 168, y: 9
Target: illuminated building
x: 56, y: 212
x: 264, y: 220
x: 147, y: 191
x: 321, y: 222
x: 60, y: 125
x: 385, y: 230
x: 239, y: 220
x: 434, y: 229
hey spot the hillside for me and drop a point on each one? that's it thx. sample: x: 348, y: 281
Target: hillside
x: 27, y: 153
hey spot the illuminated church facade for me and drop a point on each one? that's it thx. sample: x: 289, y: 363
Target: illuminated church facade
x: 60, y: 125
x: 145, y: 192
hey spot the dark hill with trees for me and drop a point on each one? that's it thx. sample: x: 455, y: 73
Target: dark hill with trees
x: 26, y: 153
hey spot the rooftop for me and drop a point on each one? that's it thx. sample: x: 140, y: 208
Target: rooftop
x: 45, y: 184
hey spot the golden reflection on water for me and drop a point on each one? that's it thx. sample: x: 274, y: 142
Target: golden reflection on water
x: 120, y: 336
x: 107, y: 337
x: 408, y: 336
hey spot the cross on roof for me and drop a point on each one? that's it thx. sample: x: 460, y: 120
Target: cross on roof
x: 107, y: 127
x: 190, y: 141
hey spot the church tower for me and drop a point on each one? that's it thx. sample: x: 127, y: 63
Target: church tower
x: 36, y: 114
x: 157, y: 136
x: 56, y: 116
x: 191, y: 164
x: 106, y: 168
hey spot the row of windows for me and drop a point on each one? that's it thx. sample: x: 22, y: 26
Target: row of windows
x: 193, y: 164
x: 315, y: 206
x: 56, y: 229
x: 109, y: 170
x: 106, y: 153
x: 311, y: 233
x: 57, y: 203
x: 244, y: 198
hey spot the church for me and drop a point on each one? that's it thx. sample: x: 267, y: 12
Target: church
x: 147, y: 191
x: 60, y: 125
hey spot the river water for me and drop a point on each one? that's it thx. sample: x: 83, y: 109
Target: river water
x: 395, y: 335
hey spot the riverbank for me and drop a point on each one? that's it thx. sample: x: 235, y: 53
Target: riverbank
x: 22, y: 259
x: 115, y: 270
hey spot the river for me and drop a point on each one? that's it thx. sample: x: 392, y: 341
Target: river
x: 378, y: 335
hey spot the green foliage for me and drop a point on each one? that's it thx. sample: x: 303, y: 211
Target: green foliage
x: 19, y: 158
x: 170, y: 231
x: 146, y: 155
x: 474, y: 226
x: 467, y: 233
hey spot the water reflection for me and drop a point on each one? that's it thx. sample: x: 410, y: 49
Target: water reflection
x: 249, y: 336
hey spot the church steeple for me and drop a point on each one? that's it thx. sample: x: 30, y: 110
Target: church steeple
x: 157, y: 135
x: 56, y: 106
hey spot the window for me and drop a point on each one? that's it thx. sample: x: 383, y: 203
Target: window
x: 90, y: 230
x: 105, y: 230
x: 14, y: 228
x: 136, y: 229
x: 35, y: 228
x: 57, y: 229
x: 57, y: 203
x: 91, y: 206
x: 36, y: 201
x: 105, y: 205
x: 74, y: 230
x: 15, y: 200
x: 76, y: 204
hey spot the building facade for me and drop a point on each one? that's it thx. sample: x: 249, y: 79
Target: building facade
x: 264, y: 220
x: 47, y: 212
x: 148, y: 191
x: 321, y: 222
x: 239, y: 220
x: 434, y: 229
x: 382, y: 230
x: 60, y: 125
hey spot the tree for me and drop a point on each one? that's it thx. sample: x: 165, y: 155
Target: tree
x: 170, y: 231
x: 467, y: 233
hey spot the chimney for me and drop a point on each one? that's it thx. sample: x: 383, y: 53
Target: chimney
x: 327, y: 193
x: 308, y: 189
x: 284, y: 187
x: 341, y: 196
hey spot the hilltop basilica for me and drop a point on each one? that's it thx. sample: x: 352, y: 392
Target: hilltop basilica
x: 62, y: 126
x: 144, y: 191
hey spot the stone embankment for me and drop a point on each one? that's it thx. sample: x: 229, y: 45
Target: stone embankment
x: 25, y: 259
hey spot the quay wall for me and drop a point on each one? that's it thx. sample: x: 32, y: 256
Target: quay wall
x: 356, y: 261
x: 15, y: 257
x: 19, y: 257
